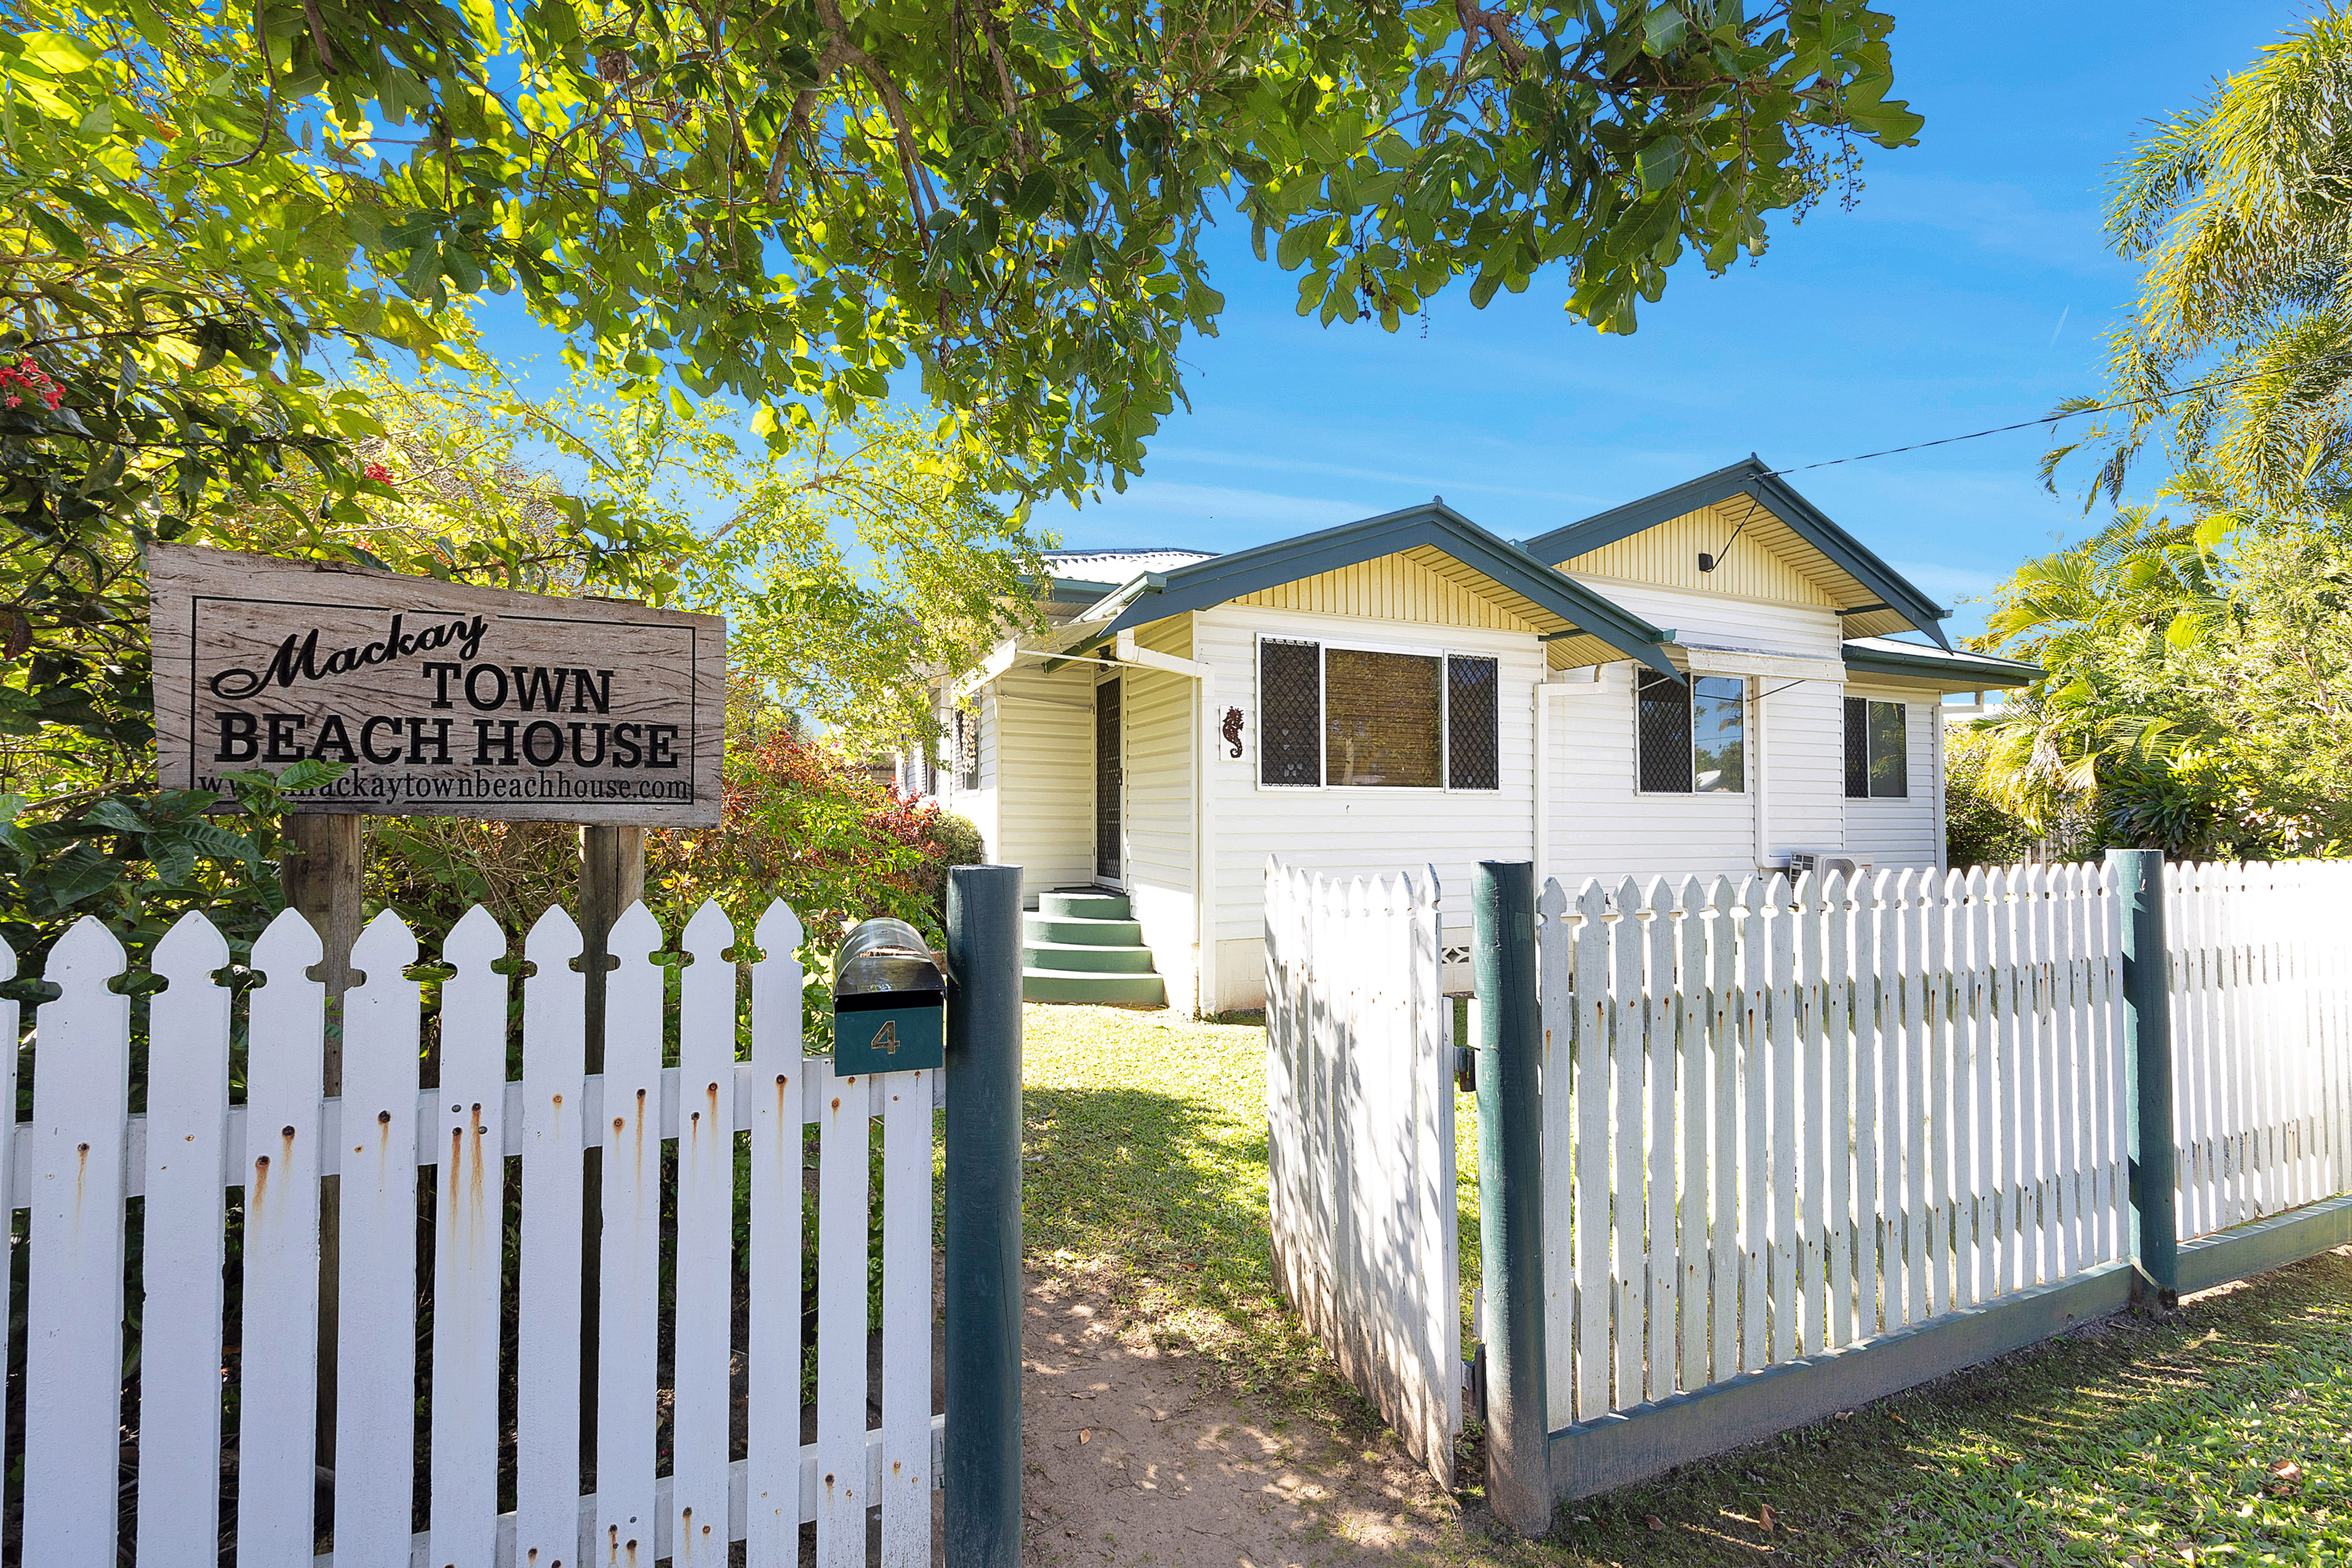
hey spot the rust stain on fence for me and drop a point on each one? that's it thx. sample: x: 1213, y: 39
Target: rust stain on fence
x: 478, y: 1179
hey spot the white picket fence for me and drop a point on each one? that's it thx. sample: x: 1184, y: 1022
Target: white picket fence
x: 1778, y: 1120
x: 83, y: 1156
x: 2261, y: 1033
x: 1359, y: 1112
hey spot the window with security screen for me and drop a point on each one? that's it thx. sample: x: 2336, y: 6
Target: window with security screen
x: 1370, y: 718
x: 1877, y: 749
x: 1290, y: 714
x: 1692, y: 733
x: 1473, y: 739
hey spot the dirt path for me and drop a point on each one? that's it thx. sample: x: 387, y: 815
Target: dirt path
x: 1129, y: 1461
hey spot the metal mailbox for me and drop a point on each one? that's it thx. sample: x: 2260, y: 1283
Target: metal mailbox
x: 889, y: 1001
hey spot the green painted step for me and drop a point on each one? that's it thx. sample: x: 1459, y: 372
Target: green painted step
x: 1083, y: 944
x: 1083, y: 905
x: 1081, y: 933
x: 1071, y: 955
x: 1061, y: 985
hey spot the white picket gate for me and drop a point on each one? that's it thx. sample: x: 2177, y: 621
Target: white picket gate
x: 1779, y: 1120
x: 2261, y: 1037
x: 83, y: 1156
x: 1359, y: 1115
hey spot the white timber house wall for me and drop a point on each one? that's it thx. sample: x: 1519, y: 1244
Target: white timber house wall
x: 1812, y: 709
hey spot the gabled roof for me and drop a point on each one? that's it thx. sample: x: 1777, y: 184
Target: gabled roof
x: 1435, y: 534
x: 1774, y: 496
x: 1953, y: 669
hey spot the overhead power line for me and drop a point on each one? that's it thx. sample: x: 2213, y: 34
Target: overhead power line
x: 2023, y: 424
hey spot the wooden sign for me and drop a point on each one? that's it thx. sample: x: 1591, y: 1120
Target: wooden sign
x: 442, y: 700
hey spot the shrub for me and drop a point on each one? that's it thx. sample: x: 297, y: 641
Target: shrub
x: 1977, y: 829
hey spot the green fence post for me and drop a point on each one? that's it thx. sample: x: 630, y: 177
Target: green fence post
x: 982, y: 1473
x: 2147, y: 1027
x: 1510, y: 1192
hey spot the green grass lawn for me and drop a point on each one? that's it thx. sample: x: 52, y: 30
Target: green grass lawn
x: 2221, y: 1436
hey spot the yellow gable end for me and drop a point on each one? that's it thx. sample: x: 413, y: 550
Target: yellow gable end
x: 1392, y: 588
x: 1766, y: 560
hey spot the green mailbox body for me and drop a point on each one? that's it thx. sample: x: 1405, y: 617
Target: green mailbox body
x: 889, y: 1001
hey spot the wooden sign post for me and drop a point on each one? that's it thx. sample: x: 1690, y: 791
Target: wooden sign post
x: 440, y: 699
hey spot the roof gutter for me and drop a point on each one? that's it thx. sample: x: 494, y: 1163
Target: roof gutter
x: 1967, y: 673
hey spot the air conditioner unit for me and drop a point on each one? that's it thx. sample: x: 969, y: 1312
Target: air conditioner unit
x: 1853, y: 868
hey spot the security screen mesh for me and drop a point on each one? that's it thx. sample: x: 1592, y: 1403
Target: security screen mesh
x: 1380, y: 719
x: 1719, y: 726
x: 1888, y: 776
x: 1857, y: 748
x: 1473, y: 748
x: 1662, y: 718
x: 1290, y: 713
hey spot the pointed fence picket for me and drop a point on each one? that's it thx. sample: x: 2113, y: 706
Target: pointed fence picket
x: 1801, y: 1117
x: 207, y: 1169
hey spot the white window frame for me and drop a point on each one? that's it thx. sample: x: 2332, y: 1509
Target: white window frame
x: 1442, y: 653
x: 1690, y: 691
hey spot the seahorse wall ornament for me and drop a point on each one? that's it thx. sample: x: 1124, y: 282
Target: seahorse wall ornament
x: 1232, y: 730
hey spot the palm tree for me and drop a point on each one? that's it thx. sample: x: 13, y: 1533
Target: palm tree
x: 2105, y: 618
x: 2238, y: 353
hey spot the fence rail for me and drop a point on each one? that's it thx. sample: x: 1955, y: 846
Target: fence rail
x: 1778, y: 1120
x: 399, y: 1148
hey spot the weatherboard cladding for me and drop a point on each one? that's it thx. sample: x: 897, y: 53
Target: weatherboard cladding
x: 1040, y: 743
x: 1156, y: 822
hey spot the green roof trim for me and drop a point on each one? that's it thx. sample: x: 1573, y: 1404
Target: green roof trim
x: 1155, y: 595
x: 1972, y: 672
x: 1747, y: 477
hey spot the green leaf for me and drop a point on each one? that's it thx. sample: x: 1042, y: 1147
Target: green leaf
x: 80, y: 872
x: 110, y: 813
x: 310, y: 773
x: 212, y: 840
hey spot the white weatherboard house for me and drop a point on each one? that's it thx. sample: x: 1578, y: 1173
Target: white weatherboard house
x: 1710, y: 681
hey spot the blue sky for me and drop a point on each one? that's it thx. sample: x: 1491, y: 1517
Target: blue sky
x: 1968, y: 289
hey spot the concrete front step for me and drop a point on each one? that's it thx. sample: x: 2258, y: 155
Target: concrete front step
x: 1079, y: 931
x: 1083, y: 905
x: 1075, y: 957
x: 1063, y: 986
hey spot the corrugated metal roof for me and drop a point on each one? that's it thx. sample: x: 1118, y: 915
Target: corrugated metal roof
x: 1117, y: 565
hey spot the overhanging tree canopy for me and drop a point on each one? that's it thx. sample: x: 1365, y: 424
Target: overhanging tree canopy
x: 788, y: 200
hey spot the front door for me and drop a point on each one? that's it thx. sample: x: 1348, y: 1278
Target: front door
x: 1107, y: 780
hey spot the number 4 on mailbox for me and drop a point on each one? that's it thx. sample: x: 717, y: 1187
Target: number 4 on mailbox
x: 889, y: 1001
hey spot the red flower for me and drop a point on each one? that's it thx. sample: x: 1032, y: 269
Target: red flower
x: 377, y: 471
x: 24, y: 376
